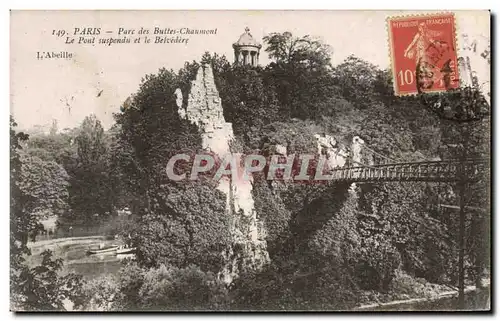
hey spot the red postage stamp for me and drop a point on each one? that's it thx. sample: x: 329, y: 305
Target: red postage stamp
x: 423, y: 53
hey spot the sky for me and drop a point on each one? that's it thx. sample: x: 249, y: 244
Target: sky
x: 98, y: 78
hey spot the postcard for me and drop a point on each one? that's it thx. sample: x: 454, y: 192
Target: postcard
x: 250, y: 161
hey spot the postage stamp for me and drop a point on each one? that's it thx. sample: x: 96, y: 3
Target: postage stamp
x: 423, y: 52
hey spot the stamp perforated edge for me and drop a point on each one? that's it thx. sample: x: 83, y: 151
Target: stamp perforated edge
x: 391, y: 49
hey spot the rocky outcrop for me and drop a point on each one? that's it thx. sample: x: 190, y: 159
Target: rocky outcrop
x: 337, y: 154
x: 204, y: 109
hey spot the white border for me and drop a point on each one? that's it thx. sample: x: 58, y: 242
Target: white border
x: 186, y: 4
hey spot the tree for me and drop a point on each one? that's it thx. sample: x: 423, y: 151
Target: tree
x: 38, y: 189
x: 189, y: 218
x: 300, y: 74
x: 121, y: 170
x: 248, y: 103
x: 21, y: 222
x: 90, y: 192
x: 90, y: 142
x: 287, y: 49
x: 193, y: 224
x: 355, y: 79
x: 58, y: 147
x: 45, y: 187
x: 36, y: 186
x: 42, y: 288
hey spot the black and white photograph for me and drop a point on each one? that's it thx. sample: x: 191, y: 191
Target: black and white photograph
x: 250, y: 161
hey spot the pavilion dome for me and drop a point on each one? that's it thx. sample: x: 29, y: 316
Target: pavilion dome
x: 246, y: 39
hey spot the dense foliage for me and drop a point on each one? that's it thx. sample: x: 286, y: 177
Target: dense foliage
x: 157, y: 289
x: 37, y: 186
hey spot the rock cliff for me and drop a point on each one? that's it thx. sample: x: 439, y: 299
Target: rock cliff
x: 204, y: 109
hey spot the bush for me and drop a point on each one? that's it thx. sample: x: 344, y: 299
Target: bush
x: 189, y: 225
x: 377, y: 262
x: 405, y: 286
x: 130, y: 281
x: 162, y: 288
x: 286, y: 287
x: 171, y: 288
x: 100, y: 294
x: 43, y: 288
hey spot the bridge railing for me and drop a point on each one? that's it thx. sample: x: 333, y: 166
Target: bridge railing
x: 450, y: 170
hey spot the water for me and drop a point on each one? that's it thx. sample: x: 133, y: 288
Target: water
x: 95, y: 266
x: 74, y: 253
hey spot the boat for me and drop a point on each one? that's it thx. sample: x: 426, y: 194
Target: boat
x: 109, y: 249
x: 125, y: 250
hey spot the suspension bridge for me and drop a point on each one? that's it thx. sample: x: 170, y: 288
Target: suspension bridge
x: 422, y: 171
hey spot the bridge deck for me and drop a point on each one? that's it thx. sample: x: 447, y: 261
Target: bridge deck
x: 436, y: 171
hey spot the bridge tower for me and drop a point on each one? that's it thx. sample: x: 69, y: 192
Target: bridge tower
x: 357, y: 145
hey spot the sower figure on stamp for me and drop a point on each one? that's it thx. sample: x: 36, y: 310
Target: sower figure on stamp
x: 422, y: 40
x: 432, y: 63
